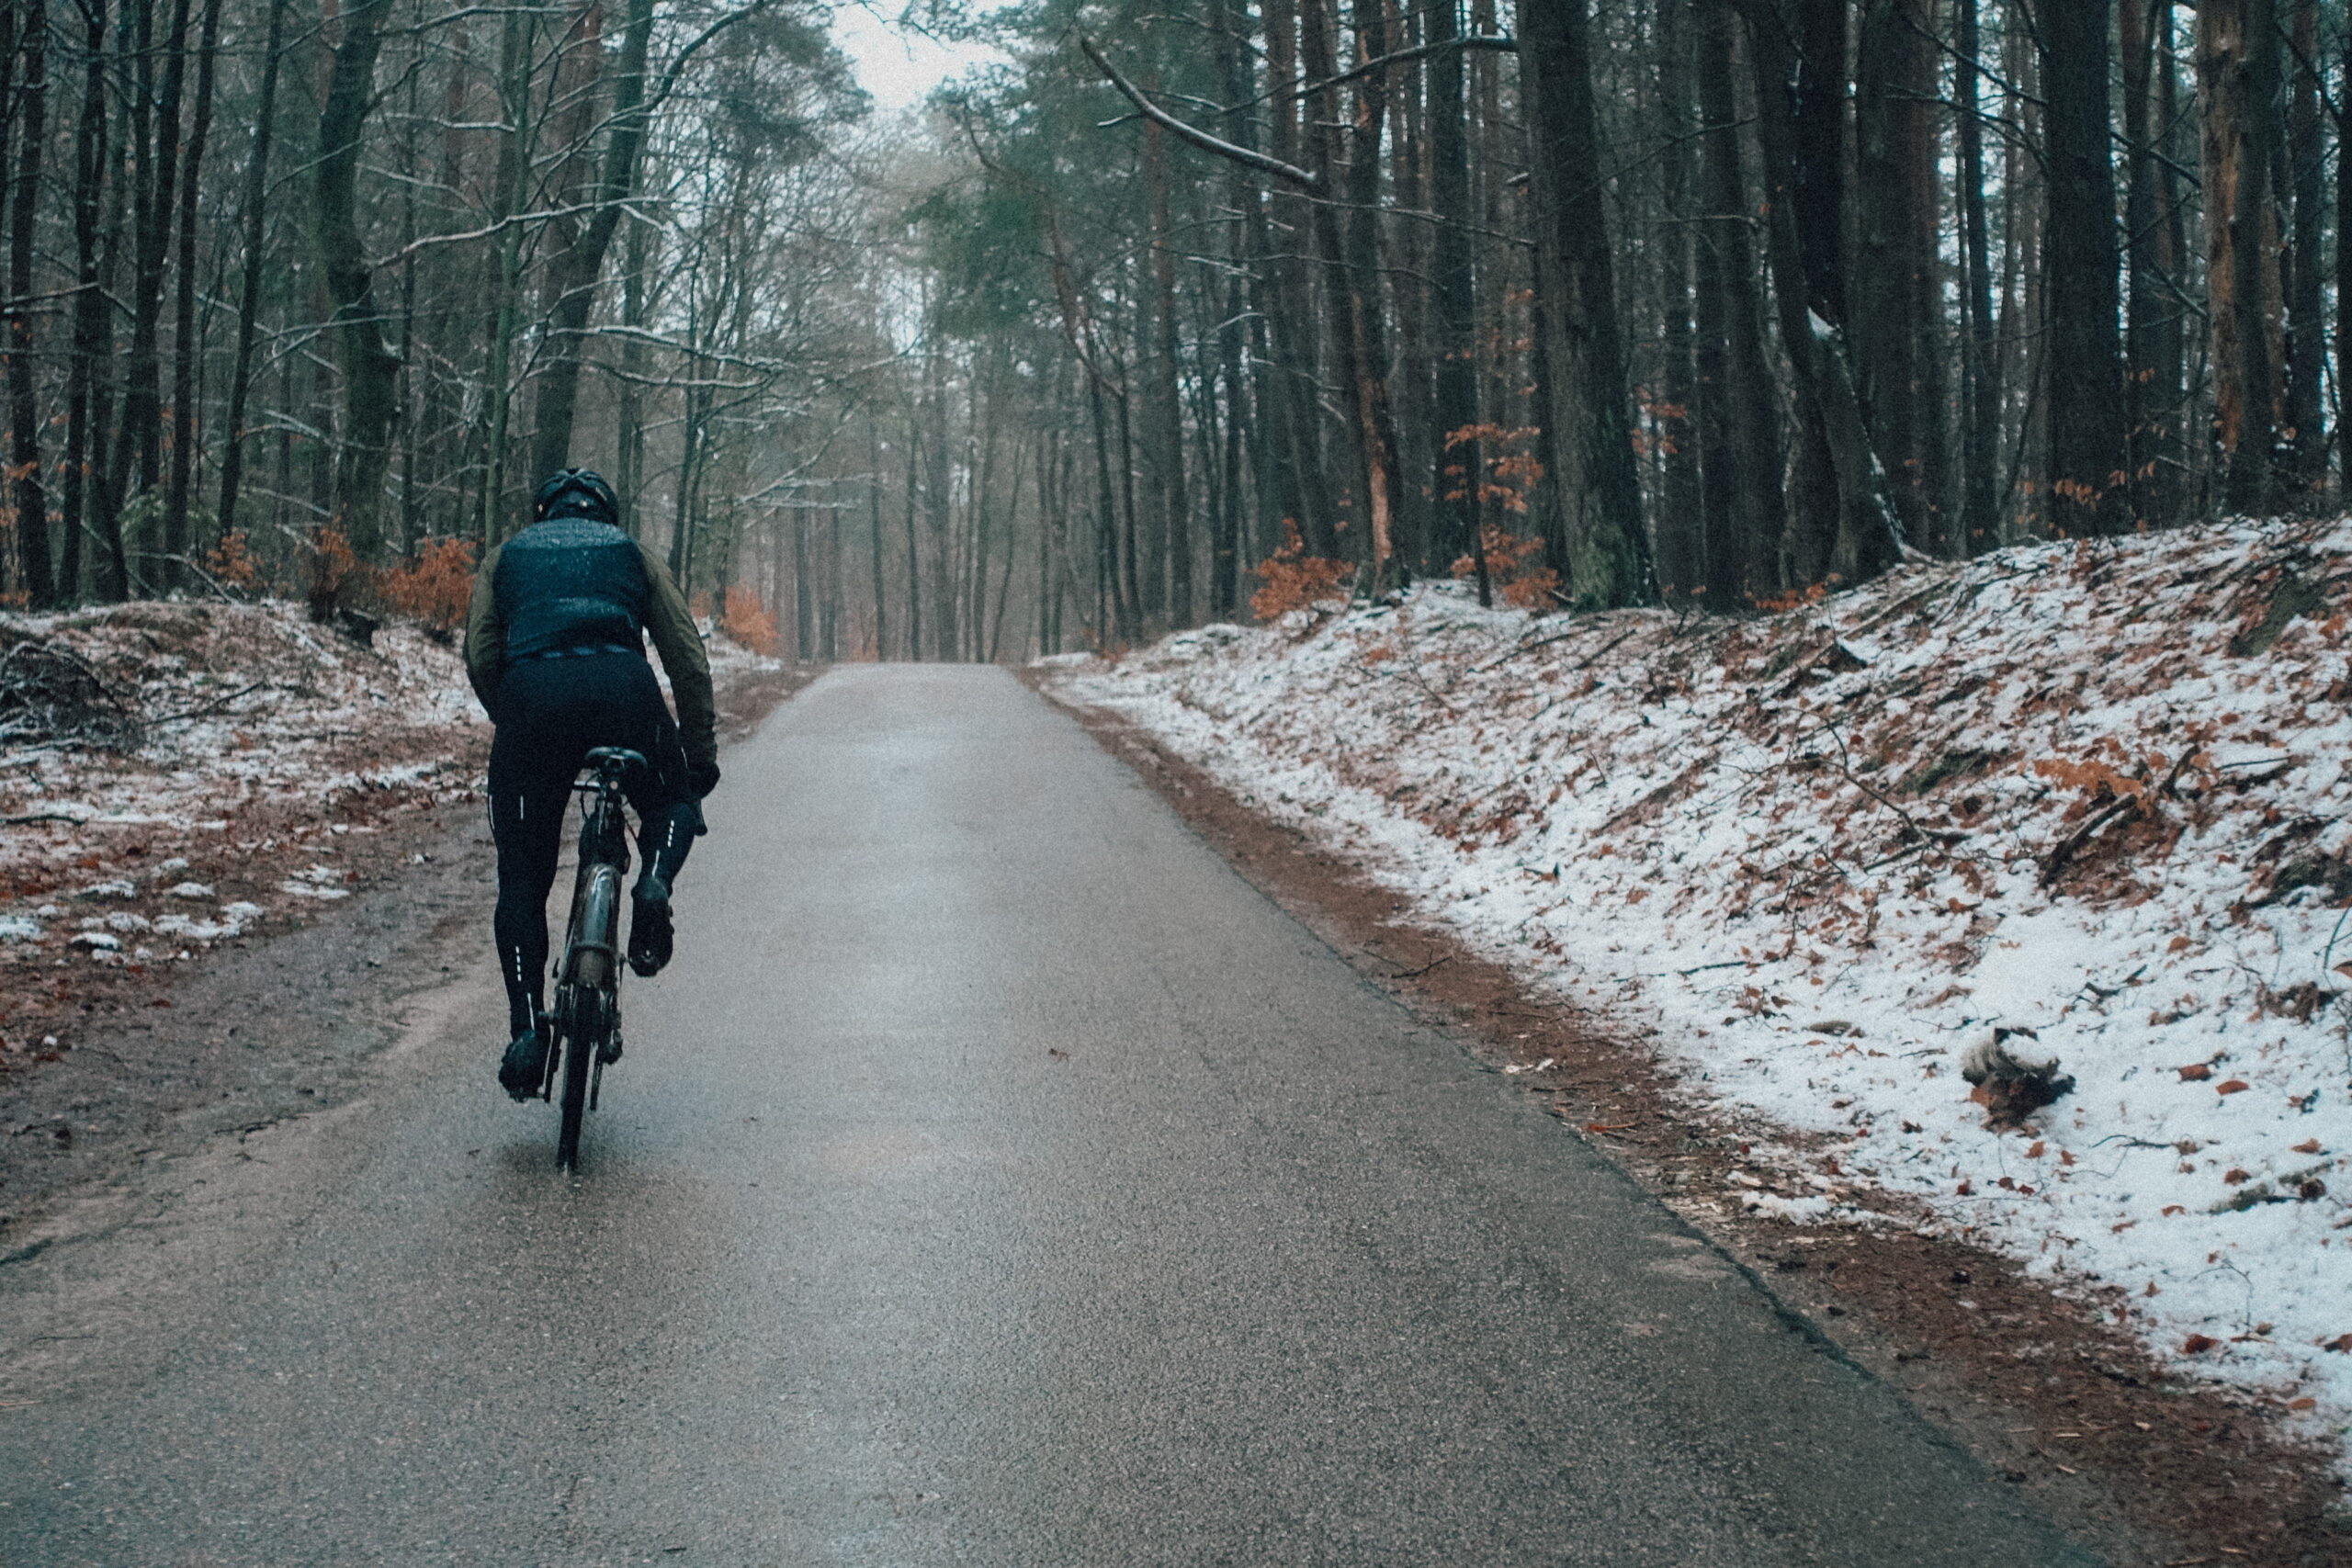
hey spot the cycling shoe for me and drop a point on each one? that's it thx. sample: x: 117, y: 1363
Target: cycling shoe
x: 650, y: 936
x: 524, y: 1067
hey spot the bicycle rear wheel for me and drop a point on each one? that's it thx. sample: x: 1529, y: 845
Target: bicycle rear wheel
x: 579, y: 1051
x: 586, y: 1011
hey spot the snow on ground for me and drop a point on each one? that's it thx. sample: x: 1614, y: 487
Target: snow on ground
x: 212, y: 758
x: 214, y: 732
x: 2098, y: 791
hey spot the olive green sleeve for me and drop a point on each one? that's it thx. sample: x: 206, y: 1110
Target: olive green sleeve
x: 671, y: 627
x: 485, y: 636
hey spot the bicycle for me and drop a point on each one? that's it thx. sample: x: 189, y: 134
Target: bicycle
x: 586, y: 1025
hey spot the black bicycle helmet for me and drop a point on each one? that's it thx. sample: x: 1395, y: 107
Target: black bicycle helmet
x: 575, y: 492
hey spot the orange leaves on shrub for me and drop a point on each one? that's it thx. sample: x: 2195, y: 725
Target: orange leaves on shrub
x: 231, y: 563
x: 1510, y: 472
x: 1293, y: 579
x: 746, y: 623
x: 435, y: 586
x: 1513, y: 566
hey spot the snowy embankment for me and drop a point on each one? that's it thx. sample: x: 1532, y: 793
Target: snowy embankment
x: 2098, y: 792
x: 171, y: 775
x: 153, y: 755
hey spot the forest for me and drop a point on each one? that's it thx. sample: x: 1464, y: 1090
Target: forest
x: 1170, y: 311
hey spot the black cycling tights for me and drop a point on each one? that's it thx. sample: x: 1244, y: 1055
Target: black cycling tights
x: 552, y: 713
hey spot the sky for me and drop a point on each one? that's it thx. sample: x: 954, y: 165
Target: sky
x: 898, y: 65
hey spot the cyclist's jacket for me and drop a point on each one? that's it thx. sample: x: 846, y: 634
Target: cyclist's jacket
x: 571, y: 585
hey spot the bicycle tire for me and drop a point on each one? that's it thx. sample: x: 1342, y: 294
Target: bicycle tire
x: 577, y: 1054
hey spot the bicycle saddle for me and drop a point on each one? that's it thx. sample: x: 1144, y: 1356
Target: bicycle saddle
x: 604, y: 755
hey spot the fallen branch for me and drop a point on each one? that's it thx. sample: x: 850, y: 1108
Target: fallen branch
x: 2129, y: 806
x: 2074, y: 841
x: 211, y: 707
x: 1586, y: 663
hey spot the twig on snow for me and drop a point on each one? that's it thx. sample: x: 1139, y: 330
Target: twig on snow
x: 1586, y: 663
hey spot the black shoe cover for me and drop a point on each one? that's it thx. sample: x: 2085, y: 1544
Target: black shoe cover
x: 650, y: 936
x: 526, y: 1067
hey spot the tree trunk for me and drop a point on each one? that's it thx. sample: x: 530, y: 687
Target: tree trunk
x: 938, y: 509
x: 1167, y: 446
x: 517, y: 33
x: 914, y: 557
x: 630, y: 410
x: 874, y: 496
x: 1335, y: 251
x: 256, y: 202
x: 1109, y: 603
x: 2307, y: 337
x: 371, y: 370
x: 1815, y: 89
x: 2088, y: 493
x: 828, y: 612
x: 1897, y: 284
x: 1740, y: 467
x: 1680, y: 537
x: 2147, y: 395
x: 137, y: 447
x: 1591, y: 491
x: 1980, y: 410
x: 24, y: 415
x: 187, y: 348
x: 84, y: 424
x: 1291, y: 331
x: 803, y: 607
x: 1225, y: 551
x: 2237, y: 86
x: 1840, y: 529
x: 2343, y: 288
x: 1361, y: 302
x: 575, y: 270
x: 1459, y: 462
x: 1407, y: 267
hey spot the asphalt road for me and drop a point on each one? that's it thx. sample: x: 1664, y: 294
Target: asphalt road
x: 995, y: 1178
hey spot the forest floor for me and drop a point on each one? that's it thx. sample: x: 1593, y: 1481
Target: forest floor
x: 215, y: 822
x: 1740, y: 898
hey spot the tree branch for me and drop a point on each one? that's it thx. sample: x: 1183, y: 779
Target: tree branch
x: 1303, y: 178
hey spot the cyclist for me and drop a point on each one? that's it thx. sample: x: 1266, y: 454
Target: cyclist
x: 555, y: 650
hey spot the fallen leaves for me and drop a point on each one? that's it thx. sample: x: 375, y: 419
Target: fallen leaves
x: 2198, y: 1344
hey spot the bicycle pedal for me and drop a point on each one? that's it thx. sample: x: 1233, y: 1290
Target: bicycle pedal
x: 610, y: 1051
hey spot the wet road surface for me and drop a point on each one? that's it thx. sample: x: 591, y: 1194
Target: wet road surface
x: 995, y: 1178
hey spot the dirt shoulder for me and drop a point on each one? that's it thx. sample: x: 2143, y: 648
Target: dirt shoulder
x: 128, y: 1060
x: 2037, y: 1384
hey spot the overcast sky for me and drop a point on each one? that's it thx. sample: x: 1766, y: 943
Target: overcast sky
x: 897, y: 66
